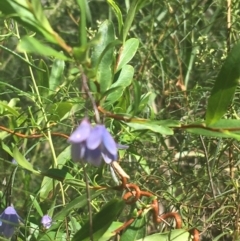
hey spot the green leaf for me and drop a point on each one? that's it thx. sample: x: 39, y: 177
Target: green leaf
x: 124, y: 80
x: 47, y: 182
x: 148, y: 125
x: 136, y: 230
x: 85, y: 13
x: 223, y: 128
x: 21, y: 58
x: 36, y: 205
x: 129, y: 18
x: 43, y: 78
x: 108, y: 213
x: 47, y: 185
x: 58, y: 174
x: 30, y: 14
x: 109, y: 233
x: 118, y: 14
x: 59, y: 110
x: 4, y: 107
x: 77, y: 203
x: 173, y: 235
x: 127, y: 52
x: 20, y: 159
x: 224, y: 87
x: 5, y: 147
x: 36, y: 8
x: 136, y: 97
x: 32, y: 45
x: 56, y: 75
x: 104, y: 73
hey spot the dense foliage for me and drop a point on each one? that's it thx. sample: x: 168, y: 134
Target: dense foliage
x: 119, y: 117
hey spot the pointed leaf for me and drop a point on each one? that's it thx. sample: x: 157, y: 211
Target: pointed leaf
x: 58, y: 174
x: 47, y: 182
x: 36, y: 205
x: 43, y: 78
x: 108, y: 213
x: 223, y: 128
x: 104, y: 73
x: 161, y: 129
x: 173, y: 235
x: 20, y: 159
x: 77, y: 203
x: 124, y: 80
x: 21, y: 58
x: 36, y: 9
x: 32, y: 45
x: 136, y: 230
x: 224, y: 87
x: 118, y: 14
x: 128, y: 51
x: 110, y: 232
x: 30, y: 15
x: 56, y: 75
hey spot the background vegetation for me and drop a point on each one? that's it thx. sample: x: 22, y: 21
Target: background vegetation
x: 180, y: 63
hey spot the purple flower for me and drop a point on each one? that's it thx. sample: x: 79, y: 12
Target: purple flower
x: 91, y: 144
x: 46, y: 221
x: 9, y: 220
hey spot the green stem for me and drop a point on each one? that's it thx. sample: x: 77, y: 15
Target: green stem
x: 40, y: 105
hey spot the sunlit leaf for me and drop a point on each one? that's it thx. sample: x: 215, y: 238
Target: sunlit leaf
x: 32, y: 45
x: 127, y: 52
x: 85, y: 14
x: 36, y: 205
x: 224, y: 87
x: 118, y: 14
x: 161, y: 129
x: 20, y: 159
x: 104, y: 74
x: 124, y: 80
x: 109, y: 233
x: 222, y: 128
x: 59, y: 110
x: 136, y: 230
x: 30, y: 15
x: 173, y: 235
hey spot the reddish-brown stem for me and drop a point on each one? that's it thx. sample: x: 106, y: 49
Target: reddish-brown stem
x: 33, y: 135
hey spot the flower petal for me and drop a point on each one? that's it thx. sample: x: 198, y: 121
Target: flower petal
x: 95, y: 138
x: 46, y: 221
x: 109, y: 142
x: 77, y: 151
x: 7, y: 231
x: 9, y: 220
x: 93, y: 157
x: 81, y: 133
x: 108, y: 158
